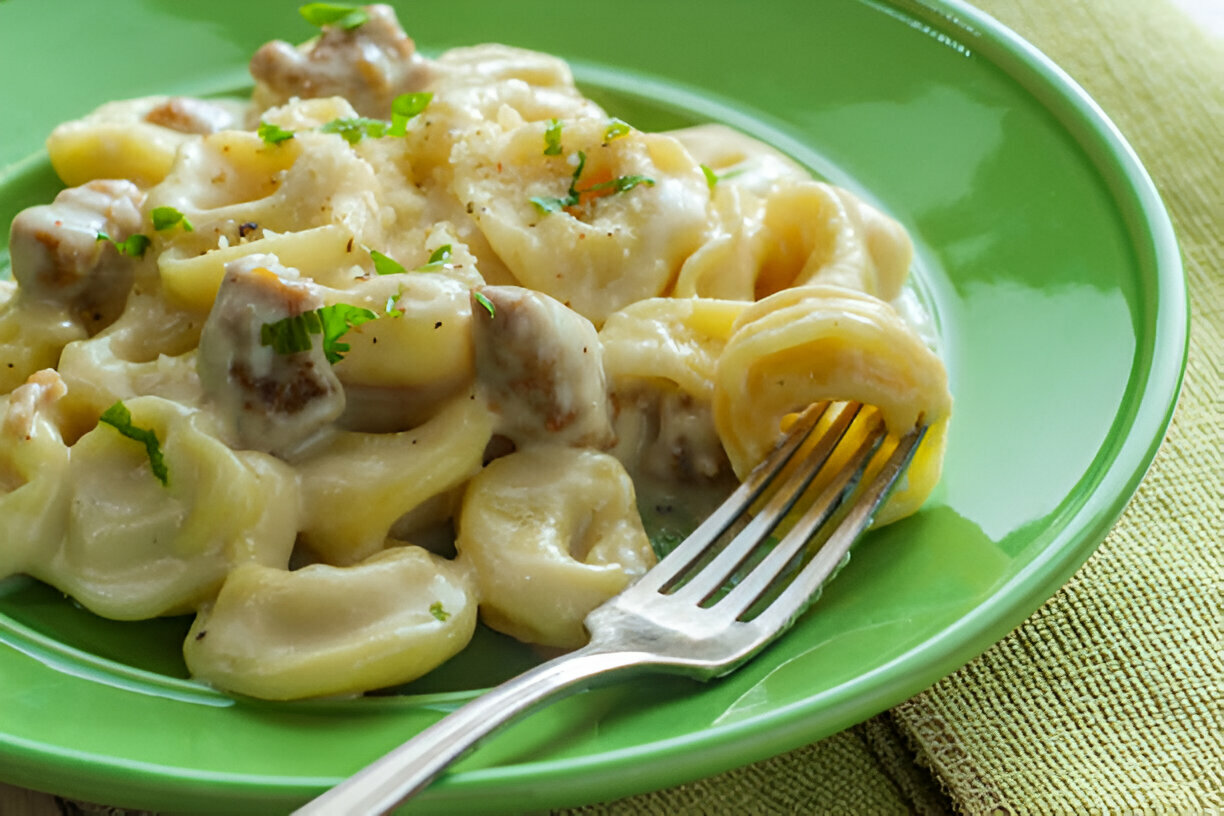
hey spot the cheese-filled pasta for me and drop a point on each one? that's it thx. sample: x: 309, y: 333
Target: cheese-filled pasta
x: 823, y: 342
x: 135, y: 547
x: 34, y: 496
x: 32, y: 335
x: 386, y: 476
x: 281, y: 634
x: 551, y: 533
x: 135, y: 138
x: 598, y: 223
x: 407, y: 344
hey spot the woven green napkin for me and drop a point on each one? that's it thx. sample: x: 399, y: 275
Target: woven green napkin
x: 1107, y: 700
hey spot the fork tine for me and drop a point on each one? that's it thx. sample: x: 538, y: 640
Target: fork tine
x: 692, y: 548
x: 828, y: 559
x: 714, y: 574
x: 765, y: 574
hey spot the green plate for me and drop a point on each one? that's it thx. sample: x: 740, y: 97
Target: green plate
x: 1042, y: 248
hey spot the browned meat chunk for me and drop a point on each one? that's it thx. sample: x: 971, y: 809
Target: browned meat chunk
x: 369, y: 66
x: 40, y: 392
x: 187, y: 115
x: 667, y: 434
x: 58, y: 257
x: 276, y: 400
x: 540, y: 365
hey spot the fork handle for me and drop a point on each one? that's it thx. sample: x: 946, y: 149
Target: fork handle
x: 407, y: 769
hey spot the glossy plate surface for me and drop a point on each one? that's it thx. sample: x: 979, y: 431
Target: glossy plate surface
x: 1042, y: 249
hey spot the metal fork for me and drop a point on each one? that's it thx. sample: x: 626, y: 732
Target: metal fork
x: 680, y: 617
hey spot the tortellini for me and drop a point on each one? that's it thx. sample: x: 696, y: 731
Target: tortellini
x: 796, y: 233
x: 551, y: 533
x: 392, y: 385
x: 102, y: 528
x: 149, y: 350
x: 279, y: 635
x: 136, y: 548
x: 386, y: 476
x: 392, y: 348
x: 605, y: 250
x: 135, y: 138
x: 32, y: 335
x: 866, y: 353
x: 34, y: 498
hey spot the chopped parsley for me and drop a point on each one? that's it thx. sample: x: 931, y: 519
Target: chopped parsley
x: 385, y: 265
x: 664, y: 541
x: 713, y: 178
x: 335, y: 14
x: 404, y: 107
x: 573, y: 197
x: 120, y: 418
x: 354, y: 128
x: 439, y: 259
x: 485, y: 302
x: 546, y: 204
x: 616, y: 128
x: 273, y: 134
x: 438, y: 612
x: 391, y: 310
x: 166, y: 217
x: 550, y: 205
x: 338, y: 319
x: 620, y: 184
x: 292, y: 334
x: 134, y: 245
x: 552, y: 138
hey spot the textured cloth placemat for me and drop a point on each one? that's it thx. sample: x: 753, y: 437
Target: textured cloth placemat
x: 1107, y: 699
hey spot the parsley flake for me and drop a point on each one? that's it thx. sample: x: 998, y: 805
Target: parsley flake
x: 552, y: 138
x: 120, y: 418
x: 391, y: 310
x: 485, y: 302
x: 438, y: 612
x: 713, y: 178
x: 273, y: 134
x: 134, y: 245
x: 337, y: 14
x: 620, y: 184
x: 166, y: 217
x: 548, y: 205
x: 338, y: 319
x: 404, y: 107
x: 385, y: 265
x: 664, y: 541
x: 290, y: 335
x: 354, y: 128
x: 616, y: 128
x: 439, y: 259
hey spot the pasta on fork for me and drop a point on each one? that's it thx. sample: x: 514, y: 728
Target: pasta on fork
x: 403, y: 343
